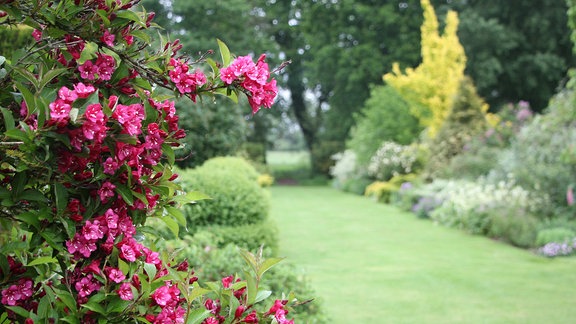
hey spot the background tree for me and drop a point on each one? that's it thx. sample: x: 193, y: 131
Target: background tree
x: 517, y: 50
x: 429, y: 88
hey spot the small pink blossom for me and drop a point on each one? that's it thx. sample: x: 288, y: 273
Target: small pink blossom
x: 108, y: 38
x: 227, y: 281
x: 84, y: 91
x: 69, y: 96
x: 91, y: 231
x: 125, y: 291
x: 88, y: 70
x: 110, y: 166
x: 37, y: 34
x: 59, y: 110
x: 162, y: 295
x: 87, y: 285
x: 115, y: 275
x: 106, y: 191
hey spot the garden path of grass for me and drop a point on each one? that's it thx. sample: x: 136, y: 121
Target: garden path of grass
x: 372, y: 263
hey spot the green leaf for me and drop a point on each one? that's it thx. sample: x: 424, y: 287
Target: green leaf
x: 197, y: 316
x: 262, y: 294
x: 251, y: 289
x: 123, y: 266
x: 150, y: 271
x: 118, y: 305
x: 17, y: 134
x: 250, y: 260
x: 19, y: 183
x: 130, y: 15
x: 224, y: 52
x: 171, y: 224
x: 126, y: 194
x: 61, y: 197
x: 197, y: 292
x: 169, y: 152
x: 177, y: 214
x: 213, y: 66
x: 49, y: 76
x: 95, y: 307
x: 8, y: 118
x: 191, y: 197
x: 67, y: 299
x: 29, y: 76
x: 30, y: 218
x: 19, y: 310
x: 267, y: 264
x: 33, y: 195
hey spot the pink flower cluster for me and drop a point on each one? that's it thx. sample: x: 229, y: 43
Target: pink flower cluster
x: 18, y: 293
x: 279, y: 312
x: 254, y: 78
x: 101, y: 69
x: 169, y: 300
x: 185, y: 81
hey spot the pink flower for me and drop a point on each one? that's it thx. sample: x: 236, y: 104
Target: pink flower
x: 106, y: 191
x: 227, y: 281
x: 162, y: 295
x: 59, y: 110
x: 92, y: 231
x: 79, y: 246
x: 11, y: 295
x: 69, y: 96
x: 87, y: 285
x: 130, y: 117
x: 125, y: 291
x: 127, y: 253
x: 88, y: 70
x: 108, y: 38
x: 251, y: 318
x: 75, y: 45
x: 210, y: 320
x: 115, y: 275
x: 84, y: 91
x: 110, y: 166
x: 37, y: 34
x: 106, y: 65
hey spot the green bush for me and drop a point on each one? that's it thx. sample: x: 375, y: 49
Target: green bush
x: 249, y: 237
x: 236, y: 199
x: 466, y: 120
x: 555, y: 235
x: 513, y: 226
x: 535, y: 157
x: 235, y: 165
x: 385, y: 117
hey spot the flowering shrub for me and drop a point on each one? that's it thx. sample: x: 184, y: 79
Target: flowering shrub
x: 86, y: 155
x: 265, y: 180
x: 469, y: 205
x: 345, y: 167
x: 393, y: 159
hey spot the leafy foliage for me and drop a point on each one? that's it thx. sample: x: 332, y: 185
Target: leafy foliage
x: 467, y: 120
x: 429, y: 88
x: 86, y: 154
x: 385, y: 117
x: 212, y: 129
x: 236, y: 197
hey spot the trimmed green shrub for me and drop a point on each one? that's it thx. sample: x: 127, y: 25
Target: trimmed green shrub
x: 385, y: 117
x: 555, y: 235
x: 235, y: 165
x: 236, y: 198
x: 249, y: 237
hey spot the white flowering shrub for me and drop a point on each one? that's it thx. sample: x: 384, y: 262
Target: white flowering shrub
x: 345, y: 167
x: 471, y: 205
x: 392, y: 159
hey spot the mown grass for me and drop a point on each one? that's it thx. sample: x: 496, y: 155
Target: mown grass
x: 371, y: 263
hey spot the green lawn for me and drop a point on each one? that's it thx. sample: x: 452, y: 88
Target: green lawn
x: 371, y: 263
